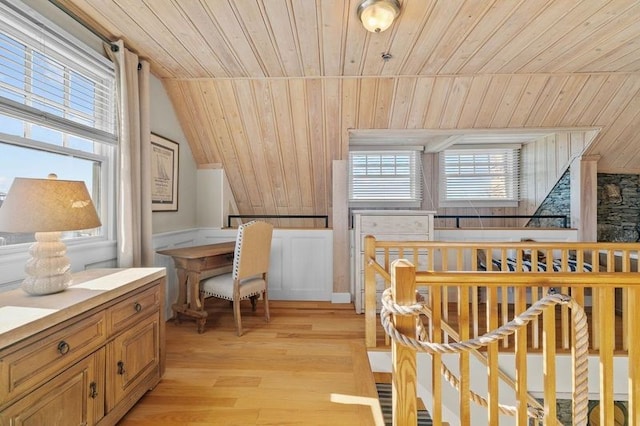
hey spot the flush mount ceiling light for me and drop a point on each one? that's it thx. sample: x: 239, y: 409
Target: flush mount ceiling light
x: 378, y: 15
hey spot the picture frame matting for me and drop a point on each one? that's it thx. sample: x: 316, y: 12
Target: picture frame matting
x: 165, y: 155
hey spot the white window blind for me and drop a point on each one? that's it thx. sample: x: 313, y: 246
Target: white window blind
x: 385, y: 177
x: 480, y: 174
x: 48, y: 80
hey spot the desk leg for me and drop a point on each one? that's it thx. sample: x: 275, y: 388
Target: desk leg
x: 196, y: 309
x: 188, y: 301
x: 181, y: 300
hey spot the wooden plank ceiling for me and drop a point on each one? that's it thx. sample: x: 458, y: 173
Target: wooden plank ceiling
x: 270, y: 88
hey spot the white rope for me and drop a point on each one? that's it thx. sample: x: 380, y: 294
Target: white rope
x: 420, y: 343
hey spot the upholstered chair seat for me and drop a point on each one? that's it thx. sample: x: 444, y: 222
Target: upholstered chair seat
x: 221, y: 286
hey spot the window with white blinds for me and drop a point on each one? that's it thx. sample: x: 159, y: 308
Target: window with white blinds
x: 48, y: 80
x: 480, y: 175
x: 57, y: 114
x: 385, y: 177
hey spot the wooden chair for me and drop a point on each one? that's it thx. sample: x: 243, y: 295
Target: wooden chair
x: 248, y: 279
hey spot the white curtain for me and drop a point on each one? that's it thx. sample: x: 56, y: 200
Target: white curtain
x: 133, y: 186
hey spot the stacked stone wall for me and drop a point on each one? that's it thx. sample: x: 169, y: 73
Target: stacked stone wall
x: 558, y: 202
x: 618, y: 207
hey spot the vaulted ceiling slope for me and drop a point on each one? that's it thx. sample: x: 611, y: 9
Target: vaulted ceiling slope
x: 307, y: 38
x: 269, y: 88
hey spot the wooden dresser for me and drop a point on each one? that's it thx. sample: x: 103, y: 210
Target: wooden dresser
x: 86, y: 355
x: 392, y: 225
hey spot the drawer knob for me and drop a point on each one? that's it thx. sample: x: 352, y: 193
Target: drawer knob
x: 93, y: 390
x: 121, y: 369
x: 137, y: 307
x: 63, y: 348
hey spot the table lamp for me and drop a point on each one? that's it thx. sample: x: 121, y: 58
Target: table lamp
x: 47, y: 207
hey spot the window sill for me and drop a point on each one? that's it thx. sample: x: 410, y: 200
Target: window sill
x: 477, y: 204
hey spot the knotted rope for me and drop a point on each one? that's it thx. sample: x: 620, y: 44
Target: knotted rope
x: 420, y: 343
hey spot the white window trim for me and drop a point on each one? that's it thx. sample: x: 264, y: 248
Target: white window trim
x: 38, y: 117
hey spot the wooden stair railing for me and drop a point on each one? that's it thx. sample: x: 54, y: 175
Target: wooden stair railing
x: 404, y: 279
x: 466, y: 256
x: 498, y: 290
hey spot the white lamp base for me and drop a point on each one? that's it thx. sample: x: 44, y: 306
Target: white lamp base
x: 49, y: 270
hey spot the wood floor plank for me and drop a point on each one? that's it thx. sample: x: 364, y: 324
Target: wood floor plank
x: 308, y: 366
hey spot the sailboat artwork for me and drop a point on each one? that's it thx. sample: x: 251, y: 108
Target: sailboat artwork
x: 164, y: 174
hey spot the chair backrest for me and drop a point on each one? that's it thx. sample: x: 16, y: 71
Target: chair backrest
x: 253, y: 247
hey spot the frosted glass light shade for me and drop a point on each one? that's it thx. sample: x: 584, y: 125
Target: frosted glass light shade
x: 378, y: 15
x: 47, y: 207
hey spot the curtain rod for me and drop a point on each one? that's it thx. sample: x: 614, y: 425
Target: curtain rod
x: 114, y: 47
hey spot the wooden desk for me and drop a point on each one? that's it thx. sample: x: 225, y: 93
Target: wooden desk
x: 190, y: 263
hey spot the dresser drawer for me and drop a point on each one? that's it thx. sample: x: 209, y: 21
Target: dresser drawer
x: 30, y: 365
x: 395, y: 225
x: 398, y: 236
x: 128, y: 311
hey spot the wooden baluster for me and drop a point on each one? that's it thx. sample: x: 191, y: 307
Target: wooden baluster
x: 436, y: 359
x: 521, y: 344
x: 492, y: 358
x: 578, y: 292
x: 404, y: 399
x: 633, y: 305
x: 465, y: 371
x: 565, y: 325
x: 504, y: 310
x: 370, y: 292
x: 549, y: 364
x: 475, y: 294
x: 626, y: 267
x: 445, y: 293
x: 607, y: 345
x: 461, y: 267
x: 595, y: 302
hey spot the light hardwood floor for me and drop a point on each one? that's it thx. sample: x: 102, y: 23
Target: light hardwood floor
x: 308, y: 366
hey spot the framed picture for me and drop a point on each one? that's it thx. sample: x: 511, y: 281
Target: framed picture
x: 164, y: 174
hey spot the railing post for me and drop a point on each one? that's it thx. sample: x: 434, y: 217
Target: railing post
x: 607, y: 347
x: 370, y: 301
x: 633, y: 305
x: 492, y: 357
x: 403, y: 359
x: 549, y: 364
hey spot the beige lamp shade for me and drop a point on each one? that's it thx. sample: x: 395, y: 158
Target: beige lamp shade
x: 378, y: 15
x: 45, y: 205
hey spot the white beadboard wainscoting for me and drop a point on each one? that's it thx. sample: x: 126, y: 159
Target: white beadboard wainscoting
x: 301, y: 266
x: 82, y: 255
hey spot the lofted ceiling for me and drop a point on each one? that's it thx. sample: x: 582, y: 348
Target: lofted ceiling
x: 273, y: 89
x: 312, y: 38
